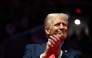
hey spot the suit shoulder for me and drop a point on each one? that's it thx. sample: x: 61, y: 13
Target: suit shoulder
x: 35, y: 45
x: 71, y: 53
x: 75, y: 52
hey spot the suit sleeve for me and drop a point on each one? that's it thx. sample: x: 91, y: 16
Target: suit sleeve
x: 28, y: 52
x: 78, y: 55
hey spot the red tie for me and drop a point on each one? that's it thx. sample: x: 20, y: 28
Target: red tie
x: 52, y: 56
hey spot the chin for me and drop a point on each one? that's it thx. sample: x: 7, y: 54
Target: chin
x: 63, y: 38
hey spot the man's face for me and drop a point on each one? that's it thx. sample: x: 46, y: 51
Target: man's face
x: 59, y: 27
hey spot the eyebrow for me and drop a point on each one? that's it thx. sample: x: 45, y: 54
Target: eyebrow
x: 61, y: 22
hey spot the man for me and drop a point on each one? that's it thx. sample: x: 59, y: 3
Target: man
x: 56, y: 28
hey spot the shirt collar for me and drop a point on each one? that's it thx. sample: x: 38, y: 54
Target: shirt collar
x: 62, y: 44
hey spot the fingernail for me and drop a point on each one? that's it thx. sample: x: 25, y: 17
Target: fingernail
x: 48, y: 39
x: 48, y: 42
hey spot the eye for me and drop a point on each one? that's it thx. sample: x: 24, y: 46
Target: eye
x: 64, y: 24
x: 57, y: 24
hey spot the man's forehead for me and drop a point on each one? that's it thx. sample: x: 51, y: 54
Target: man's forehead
x: 59, y: 18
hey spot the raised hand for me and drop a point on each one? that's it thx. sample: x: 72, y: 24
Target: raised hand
x: 55, y: 43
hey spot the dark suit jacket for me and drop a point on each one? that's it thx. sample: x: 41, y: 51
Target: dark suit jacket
x: 35, y: 50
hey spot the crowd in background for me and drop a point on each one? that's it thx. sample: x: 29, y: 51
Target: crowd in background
x: 19, y: 15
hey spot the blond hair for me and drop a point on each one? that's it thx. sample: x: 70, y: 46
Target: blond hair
x: 51, y: 16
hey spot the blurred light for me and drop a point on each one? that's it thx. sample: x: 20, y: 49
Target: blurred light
x: 78, y: 10
x: 77, y: 22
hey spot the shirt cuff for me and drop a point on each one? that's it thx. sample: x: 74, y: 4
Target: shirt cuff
x: 60, y: 54
x: 41, y: 56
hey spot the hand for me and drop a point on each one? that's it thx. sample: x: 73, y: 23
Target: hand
x: 47, y: 51
x: 55, y: 43
x: 52, y: 47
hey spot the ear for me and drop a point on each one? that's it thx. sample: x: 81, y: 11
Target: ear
x: 47, y: 30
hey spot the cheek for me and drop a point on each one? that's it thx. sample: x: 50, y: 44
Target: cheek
x: 54, y: 30
x: 65, y: 34
x: 66, y: 28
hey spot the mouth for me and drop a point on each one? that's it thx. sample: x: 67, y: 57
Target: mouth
x: 60, y: 31
x: 60, y: 34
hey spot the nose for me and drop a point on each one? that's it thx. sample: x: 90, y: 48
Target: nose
x: 61, y: 26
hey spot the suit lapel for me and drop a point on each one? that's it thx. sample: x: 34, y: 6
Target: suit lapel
x: 42, y: 47
x: 64, y: 55
x: 65, y: 49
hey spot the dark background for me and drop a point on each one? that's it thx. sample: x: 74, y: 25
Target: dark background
x: 21, y: 23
